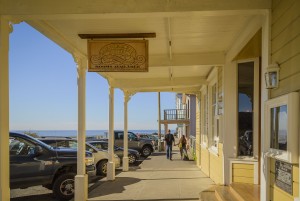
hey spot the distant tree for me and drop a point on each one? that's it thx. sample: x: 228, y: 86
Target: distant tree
x: 32, y: 134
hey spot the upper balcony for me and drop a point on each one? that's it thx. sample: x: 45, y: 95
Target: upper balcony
x: 175, y: 116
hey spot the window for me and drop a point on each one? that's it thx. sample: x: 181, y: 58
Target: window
x: 245, y: 108
x: 119, y: 136
x: 279, y: 127
x: 98, y: 145
x: 21, y: 147
x: 204, y: 116
x: 214, y: 122
x: 132, y: 136
x: 213, y: 109
x: 282, y: 127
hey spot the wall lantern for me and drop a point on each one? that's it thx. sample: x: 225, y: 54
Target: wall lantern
x: 272, y: 76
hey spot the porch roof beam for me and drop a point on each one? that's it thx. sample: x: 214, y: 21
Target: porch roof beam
x: 54, y: 7
x: 189, y: 90
x: 158, y: 82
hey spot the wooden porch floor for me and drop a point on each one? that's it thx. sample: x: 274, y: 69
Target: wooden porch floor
x: 234, y: 192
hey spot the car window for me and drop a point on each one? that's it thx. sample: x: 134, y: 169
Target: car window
x: 105, y: 146
x: 73, y: 144
x: 20, y: 146
x: 52, y: 143
x: 90, y: 148
x: 96, y: 144
x: 132, y: 136
x: 119, y: 136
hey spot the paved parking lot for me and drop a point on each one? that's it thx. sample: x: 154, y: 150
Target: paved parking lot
x: 39, y: 193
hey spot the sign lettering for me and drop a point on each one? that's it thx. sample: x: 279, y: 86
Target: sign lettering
x: 118, y: 56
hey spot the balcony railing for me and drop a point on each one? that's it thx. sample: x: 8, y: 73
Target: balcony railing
x: 175, y: 114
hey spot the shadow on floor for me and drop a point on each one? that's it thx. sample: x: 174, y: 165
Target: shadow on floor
x: 118, y: 186
x: 44, y: 197
x: 171, y: 199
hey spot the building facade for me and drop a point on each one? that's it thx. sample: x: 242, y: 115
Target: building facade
x: 187, y: 102
x: 233, y: 111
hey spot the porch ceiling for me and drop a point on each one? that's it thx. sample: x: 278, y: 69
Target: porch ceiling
x: 200, y: 39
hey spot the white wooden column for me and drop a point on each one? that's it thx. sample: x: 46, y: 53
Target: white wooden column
x: 266, y: 58
x: 4, y: 110
x: 81, y: 179
x: 111, y: 163
x: 125, y: 155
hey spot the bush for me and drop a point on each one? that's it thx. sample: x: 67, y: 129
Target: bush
x: 32, y: 134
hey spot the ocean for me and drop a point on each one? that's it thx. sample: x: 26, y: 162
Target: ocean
x: 73, y: 133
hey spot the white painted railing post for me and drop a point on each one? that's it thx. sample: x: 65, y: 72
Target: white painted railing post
x: 4, y: 110
x: 81, y: 179
x: 111, y: 163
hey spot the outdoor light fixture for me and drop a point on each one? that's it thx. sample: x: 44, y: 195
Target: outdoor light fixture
x: 272, y: 76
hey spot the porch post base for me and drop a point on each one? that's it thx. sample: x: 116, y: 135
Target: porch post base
x: 110, y: 171
x: 81, y: 188
x: 125, y: 164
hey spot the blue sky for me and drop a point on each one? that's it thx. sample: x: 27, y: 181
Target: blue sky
x: 43, y: 90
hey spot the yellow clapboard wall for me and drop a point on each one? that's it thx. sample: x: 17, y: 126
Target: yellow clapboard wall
x: 243, y: 173
x: 216, y: 166
x: 205, y: 161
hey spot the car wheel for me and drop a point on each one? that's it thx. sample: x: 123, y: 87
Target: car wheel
x: 132, y: 158
x: 63, y: 187
x: 102, y: 168
x: 146, y: 151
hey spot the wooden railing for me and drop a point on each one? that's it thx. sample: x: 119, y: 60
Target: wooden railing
x: 175, y: 114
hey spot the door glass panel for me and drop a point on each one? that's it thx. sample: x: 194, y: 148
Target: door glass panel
x: 279, y: 127
x: 245, y: 108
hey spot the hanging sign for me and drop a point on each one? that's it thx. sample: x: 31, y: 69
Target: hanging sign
x: 284, y: 176
x: 118, y: 56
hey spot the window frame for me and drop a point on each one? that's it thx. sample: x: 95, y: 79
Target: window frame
x: 213, y: 116
x: 256, y: 107
x: 203, y: 117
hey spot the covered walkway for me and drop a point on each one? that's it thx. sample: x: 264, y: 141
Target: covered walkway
x: 155, y: 179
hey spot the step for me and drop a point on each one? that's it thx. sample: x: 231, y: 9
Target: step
x: 245, y: 192
x: 223, y: 193
x: 208, y: 194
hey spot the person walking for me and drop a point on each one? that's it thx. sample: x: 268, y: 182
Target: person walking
x: 169, y: 138
x: 182, y: 147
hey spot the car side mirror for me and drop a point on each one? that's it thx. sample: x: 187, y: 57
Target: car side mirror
x: 38, y: 150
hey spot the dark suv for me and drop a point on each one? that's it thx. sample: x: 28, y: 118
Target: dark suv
x: 33, y: 163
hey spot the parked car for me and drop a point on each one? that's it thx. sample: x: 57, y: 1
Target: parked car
x: 33, y: 163
x: 101, y: 156
x: 151, y: 137
x: 133, y: 155
x: 144, y: 146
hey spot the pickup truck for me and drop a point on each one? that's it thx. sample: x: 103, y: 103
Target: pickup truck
x: 33, y: 163
x: 144, y: 146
